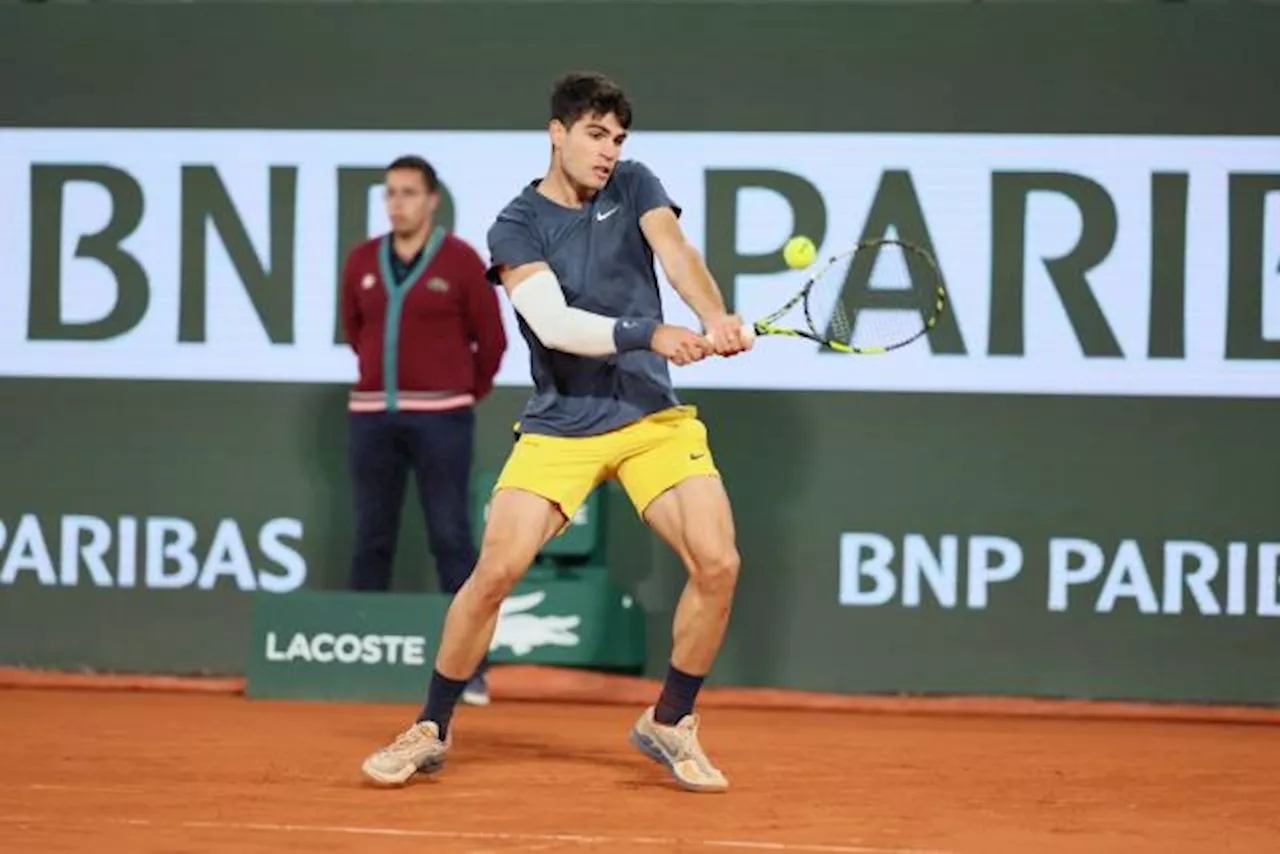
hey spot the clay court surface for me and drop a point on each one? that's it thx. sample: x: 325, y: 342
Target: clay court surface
x: 107, y: 771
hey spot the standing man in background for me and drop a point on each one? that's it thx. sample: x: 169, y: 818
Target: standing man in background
x: 427, y: 333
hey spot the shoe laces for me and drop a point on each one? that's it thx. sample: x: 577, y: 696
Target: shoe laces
x: 411, y: 737
x: 687, y: 745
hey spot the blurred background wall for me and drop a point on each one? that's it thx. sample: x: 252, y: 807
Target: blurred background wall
x: 1072, y: 492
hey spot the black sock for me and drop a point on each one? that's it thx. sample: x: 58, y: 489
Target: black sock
x: 442, y: 696
x: 679, y: 693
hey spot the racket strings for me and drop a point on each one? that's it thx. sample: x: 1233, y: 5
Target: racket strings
x: 886, y: 296
x: 841, y: 326
x: 878, y: 327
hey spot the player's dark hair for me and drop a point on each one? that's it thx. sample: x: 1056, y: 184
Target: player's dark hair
x: 582, y: 93
x: 417, y: 164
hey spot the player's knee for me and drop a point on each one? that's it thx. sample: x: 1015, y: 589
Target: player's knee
x: 495, y: 576
x: 715, y: 569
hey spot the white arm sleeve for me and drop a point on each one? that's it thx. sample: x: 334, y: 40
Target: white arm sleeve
x: 541, y: 303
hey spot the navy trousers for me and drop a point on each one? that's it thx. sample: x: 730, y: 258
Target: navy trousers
x: 385, y: 448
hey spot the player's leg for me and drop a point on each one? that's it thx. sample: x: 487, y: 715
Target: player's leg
x: 541, y: 486
x: 378, y: 477
x: 679, y: 494
x: 440, y: 447
x: 695, y: 519
x: 519, y: 525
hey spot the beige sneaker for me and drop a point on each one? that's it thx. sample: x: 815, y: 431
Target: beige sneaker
x: 677, y: 747
x: 418, y: 748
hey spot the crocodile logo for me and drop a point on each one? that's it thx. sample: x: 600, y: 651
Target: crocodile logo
x: 523, y: 632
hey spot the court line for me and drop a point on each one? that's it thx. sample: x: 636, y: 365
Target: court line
x: 497, y: 836
x: 107, y: 790
x: 149, y: 790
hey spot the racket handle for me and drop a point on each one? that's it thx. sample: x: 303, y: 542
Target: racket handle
x: 748, y: 332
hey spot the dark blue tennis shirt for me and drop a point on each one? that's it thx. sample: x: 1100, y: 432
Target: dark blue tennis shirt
x: 605, y: 266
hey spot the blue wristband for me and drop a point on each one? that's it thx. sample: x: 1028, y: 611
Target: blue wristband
x: 633, y: 333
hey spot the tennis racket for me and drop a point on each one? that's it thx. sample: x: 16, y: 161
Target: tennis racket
x: 903, y: 300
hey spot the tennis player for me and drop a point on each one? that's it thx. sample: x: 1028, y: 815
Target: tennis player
x: 574, y: 251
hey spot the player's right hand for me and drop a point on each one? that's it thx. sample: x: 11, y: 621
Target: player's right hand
x: 679, y: 345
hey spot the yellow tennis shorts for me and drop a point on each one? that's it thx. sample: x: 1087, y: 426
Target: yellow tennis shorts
x: 647, y: 457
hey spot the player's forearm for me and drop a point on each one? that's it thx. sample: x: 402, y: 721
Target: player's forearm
x: 585, y: 333
x: 559, y: 326
x: 688, y: 274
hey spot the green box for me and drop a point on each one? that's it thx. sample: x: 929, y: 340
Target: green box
x: 380, y: 647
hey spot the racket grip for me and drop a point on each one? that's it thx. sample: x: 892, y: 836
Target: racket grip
x: 748, y: 332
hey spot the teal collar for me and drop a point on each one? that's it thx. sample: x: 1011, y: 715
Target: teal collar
x: 396, y: 293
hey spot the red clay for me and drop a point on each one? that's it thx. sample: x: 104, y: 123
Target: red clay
x: 576, y: 685
x: 102, y: 771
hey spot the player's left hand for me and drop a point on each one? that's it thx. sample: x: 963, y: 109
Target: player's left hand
x: 727, y: 334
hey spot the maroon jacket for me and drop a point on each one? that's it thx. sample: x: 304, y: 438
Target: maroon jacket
x: 433, y: 342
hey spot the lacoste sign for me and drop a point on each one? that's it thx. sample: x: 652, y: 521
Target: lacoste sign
x: 348, y: 648
x: 319, y: 644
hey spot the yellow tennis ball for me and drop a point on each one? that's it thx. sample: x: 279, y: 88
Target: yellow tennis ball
x: 799, y: 253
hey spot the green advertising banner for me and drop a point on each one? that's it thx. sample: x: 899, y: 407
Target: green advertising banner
x: 381, y: 647
x: 1070, y: 489
x: 331, y: 645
